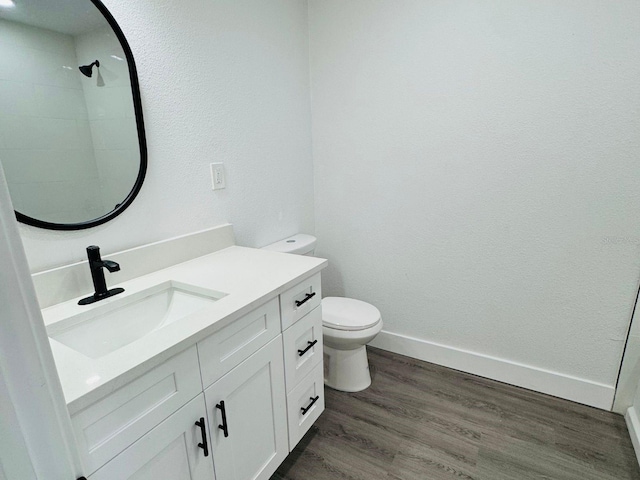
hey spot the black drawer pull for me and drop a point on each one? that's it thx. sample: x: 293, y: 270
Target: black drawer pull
x: 307, y: 297
x: 313, y: 401
x: 204, y: 445
x: 309, y: 347
x: 223, y: 427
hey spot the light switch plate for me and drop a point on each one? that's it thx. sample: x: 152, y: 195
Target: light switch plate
x: 218, y: 180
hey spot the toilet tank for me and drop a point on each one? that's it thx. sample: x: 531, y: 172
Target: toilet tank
x: 301, y: 244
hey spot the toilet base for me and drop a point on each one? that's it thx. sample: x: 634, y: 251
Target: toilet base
x: 346, y: 370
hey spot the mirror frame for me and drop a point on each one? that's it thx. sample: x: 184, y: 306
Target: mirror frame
x: 137, y: 106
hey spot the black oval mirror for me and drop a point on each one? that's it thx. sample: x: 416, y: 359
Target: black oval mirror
x: 72, y: 140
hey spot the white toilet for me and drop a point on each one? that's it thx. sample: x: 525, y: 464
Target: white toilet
x: 347, y: 326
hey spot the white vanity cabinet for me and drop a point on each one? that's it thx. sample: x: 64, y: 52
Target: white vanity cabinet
x: 304, y: 374
x: 302, y: 334
x: 230, y: 407
x: 168, y: 452
x: 113, y: 423
x: 248, y: 417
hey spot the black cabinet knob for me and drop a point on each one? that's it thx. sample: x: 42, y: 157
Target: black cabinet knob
x: 309, y: 347
x: 203, y: 431
x: 307, y: 297
x: 220, y: 406
x: 308, y: 407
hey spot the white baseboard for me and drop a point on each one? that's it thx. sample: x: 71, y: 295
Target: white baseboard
x: 552, y: 383
x: 633, y: 425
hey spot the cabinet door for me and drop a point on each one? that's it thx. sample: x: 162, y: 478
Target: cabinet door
x: 117, y: 421
x: 168, y: 452
x: 254, y: 415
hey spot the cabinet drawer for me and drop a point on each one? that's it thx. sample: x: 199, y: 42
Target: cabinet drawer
x: 301, y: 413
x: 236, y: 342
x: 110, y: 425
x: 296, y: 302
x: 302, y: 347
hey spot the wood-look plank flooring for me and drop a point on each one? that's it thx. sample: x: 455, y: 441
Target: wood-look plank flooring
x: 420, y: 421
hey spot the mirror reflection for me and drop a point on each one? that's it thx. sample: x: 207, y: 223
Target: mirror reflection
x: 68, y: 134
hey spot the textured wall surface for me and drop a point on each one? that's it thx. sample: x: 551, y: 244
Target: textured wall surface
x: 475, y: 162
x: 476, y: 172
x: 221, y: 82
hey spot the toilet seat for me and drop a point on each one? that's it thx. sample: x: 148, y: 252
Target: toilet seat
x: 348, y: 314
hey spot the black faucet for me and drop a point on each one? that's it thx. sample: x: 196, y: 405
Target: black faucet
x: 96, y: 264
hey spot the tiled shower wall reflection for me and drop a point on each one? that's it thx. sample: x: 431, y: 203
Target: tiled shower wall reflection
x: 68, y: 143
x: 111, y: 115
x: 45, y: 139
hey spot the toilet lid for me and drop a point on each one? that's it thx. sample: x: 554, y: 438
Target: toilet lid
x: 348, y: 314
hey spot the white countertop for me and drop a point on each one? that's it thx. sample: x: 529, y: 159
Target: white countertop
x: 248, y: 276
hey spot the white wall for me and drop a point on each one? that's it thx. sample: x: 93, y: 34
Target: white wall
x: 476, y: 176
x: 475, y: 166
x: 221, y: 81
x: 44, y: 125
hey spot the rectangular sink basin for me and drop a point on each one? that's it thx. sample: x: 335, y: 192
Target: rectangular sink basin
x: 123, y: 320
